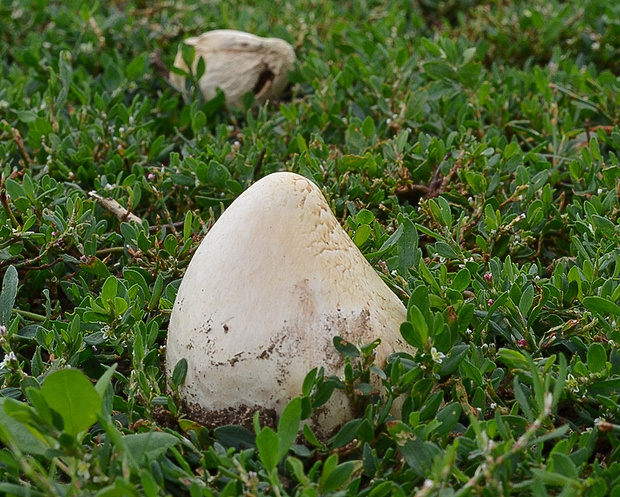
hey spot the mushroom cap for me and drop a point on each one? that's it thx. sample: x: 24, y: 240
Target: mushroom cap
x: 238, y: 62
x: 274, y: 280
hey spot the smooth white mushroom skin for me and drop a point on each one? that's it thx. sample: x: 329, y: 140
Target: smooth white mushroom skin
x: 238, y: 63
x: 274, y: 280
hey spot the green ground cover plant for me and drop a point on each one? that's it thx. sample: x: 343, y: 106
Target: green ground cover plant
x: 469, y: 148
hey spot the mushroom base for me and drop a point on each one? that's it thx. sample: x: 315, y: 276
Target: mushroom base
x: 240, y: 416
x: 244, y: 416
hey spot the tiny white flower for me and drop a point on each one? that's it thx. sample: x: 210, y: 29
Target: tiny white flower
x: 437, y: 356
x: 571, y: 383
x: 83, y: 470
x: 107, y: 331
x: 87, y: 48
x: 10, y: 357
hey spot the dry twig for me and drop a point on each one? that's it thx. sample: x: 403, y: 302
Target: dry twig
x: 111, y: 205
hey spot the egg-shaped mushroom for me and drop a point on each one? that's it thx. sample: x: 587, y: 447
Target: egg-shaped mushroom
x: 237, y: 63
x: 271, y: 284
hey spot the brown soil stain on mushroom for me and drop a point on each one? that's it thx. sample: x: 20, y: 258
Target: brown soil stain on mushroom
x: 307, y: 301
x: 265, y: 354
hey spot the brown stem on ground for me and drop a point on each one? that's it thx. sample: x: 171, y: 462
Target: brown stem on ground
x: 111, y: 205
x: 437, y: 186
x: 19, y: 141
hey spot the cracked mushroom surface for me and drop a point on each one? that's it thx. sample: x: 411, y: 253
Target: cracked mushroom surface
x: 273, y: 281
x: 238, y: 62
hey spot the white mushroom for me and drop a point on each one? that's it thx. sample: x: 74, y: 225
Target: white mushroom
x: 274, y: 280
x: 238, y: 63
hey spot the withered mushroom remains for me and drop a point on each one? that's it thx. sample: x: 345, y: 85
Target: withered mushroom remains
x: 238, y: 63
x: 272, y: 283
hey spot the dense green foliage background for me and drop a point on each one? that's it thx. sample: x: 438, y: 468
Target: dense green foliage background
x: 469, y: 148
